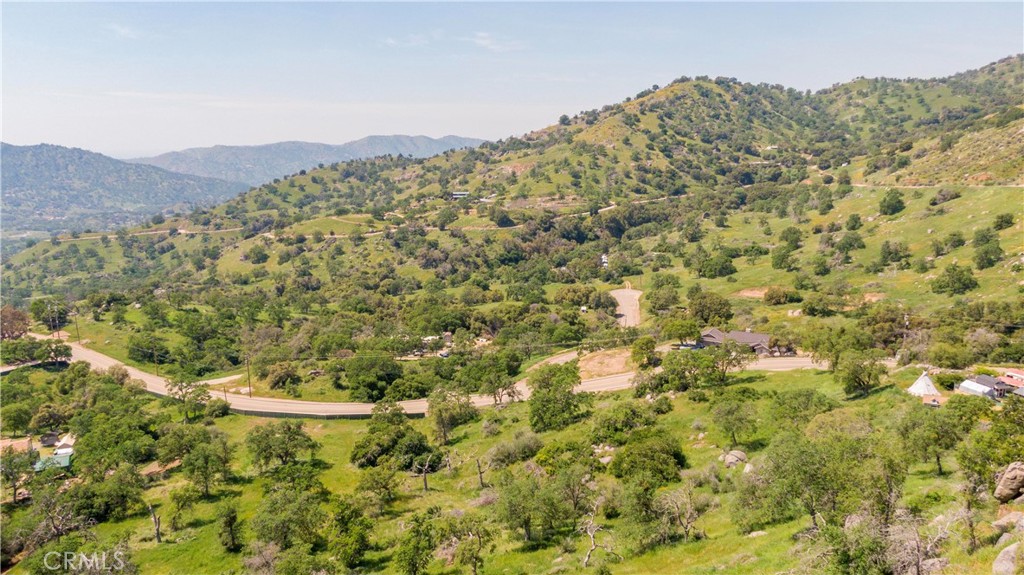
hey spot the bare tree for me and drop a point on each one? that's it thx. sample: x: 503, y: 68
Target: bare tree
x: 422, y: 469
x: 908, y: 546
x: 684, y: 506
x: 480, y: 472
x: 590, y: 527
x: 55, y: 513
x: 262, y: 559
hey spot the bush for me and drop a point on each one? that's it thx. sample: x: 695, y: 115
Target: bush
x: 819, y: 305
x: 525, y: 445
x: 950, y: 356
x: 653, y: 451
x: 954, y: 280
x: 944, y: 195
x: 217, y: 408
x: 892, y: 203
x: 947, y: 380
x: 1002, y: 221
x: 776, y: 296
x: 615, y: 425
x: 661, y: 406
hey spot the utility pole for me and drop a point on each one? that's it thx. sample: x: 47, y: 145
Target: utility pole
x: 78, y: 332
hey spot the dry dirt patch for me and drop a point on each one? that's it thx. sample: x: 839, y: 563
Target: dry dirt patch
x: 602, y: 363
x: 754, y: 292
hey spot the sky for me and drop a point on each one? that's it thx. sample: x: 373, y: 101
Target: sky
x: 137, y: 79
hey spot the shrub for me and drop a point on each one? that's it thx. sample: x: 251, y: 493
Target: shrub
x: 944, y: 195
x: 892, y: 203
x: 217, y: 408
x: 653, y: 451
x: 525, y: 445
x: 615, y: 425
x: 954, y: 280
x: 1002, y: 221
x: 776, y: 296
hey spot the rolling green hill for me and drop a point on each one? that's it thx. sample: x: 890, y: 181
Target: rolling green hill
x: 885, y: 241
x: 57, y: 189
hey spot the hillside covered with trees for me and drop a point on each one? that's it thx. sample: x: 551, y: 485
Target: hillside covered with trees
x: 875, y: 227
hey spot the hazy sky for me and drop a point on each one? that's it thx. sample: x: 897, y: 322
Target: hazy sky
x: 140, y: 79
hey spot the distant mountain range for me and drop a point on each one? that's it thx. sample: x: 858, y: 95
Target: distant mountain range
x: 53, y: 188
x: 49, y: 188
x: 260, y: 164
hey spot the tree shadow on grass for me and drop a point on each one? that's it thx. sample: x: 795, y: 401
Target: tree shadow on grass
x: 199, y: 522
x: 320, y: 464
x: 754, y: 444
x: 456, y: 439
x: 872, y: 392
x: 216, y: 496
x: 746, y: 379
x: 377, y: 564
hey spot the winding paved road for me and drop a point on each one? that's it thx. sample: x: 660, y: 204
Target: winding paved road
x: 273, y: 407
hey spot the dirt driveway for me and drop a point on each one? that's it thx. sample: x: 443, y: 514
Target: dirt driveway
x: 628, y: 299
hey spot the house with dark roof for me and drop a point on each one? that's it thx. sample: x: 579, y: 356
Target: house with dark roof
x: 760, y: 343
x: 985, y: 385
x: 1000, y: 388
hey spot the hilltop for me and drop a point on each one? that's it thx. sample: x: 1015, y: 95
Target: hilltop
x: 260, y: 164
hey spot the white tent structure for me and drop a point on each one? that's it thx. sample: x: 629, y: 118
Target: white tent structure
x: 969, y: 387
x: 923, y: 386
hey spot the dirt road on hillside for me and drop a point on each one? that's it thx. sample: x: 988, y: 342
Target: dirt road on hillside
x: 628, y: 313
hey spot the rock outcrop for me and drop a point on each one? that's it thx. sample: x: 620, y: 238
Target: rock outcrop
x: 1011, y: 482
x: 1006, y: 561
x: 734, y: 458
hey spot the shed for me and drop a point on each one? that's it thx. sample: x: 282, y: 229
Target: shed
x: 62, y: 461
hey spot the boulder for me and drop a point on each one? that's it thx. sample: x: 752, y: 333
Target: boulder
x: 935, y: 565
x: 757, y: 534
x: 1011, y: 482
x: 1006, y: 561
x: 748, y: 468
x: 734, y: 457
x: 1009, y: 522
x: 1004, y: 539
